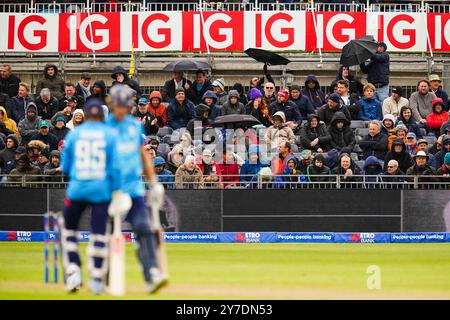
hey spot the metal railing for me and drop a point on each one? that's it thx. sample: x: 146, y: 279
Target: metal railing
x: 138, y: 6
x: 283, y: 182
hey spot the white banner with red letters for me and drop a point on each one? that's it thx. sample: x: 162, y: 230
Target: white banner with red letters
x: 220, y: 31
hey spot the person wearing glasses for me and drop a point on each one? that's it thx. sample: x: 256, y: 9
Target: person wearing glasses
x: 393, y: 175
x: 269, y: 93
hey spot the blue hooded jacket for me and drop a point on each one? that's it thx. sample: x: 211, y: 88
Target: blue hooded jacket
x: 251, y: 168
x: 372, y: 160
x: 214, y: 111
x: 370, y: 109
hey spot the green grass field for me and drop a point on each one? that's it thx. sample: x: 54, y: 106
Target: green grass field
x: 256, y: 271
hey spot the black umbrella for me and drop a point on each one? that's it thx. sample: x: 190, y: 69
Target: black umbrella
x: 266, y: 57
x: 186, y: 65
x: 359, y: 50
x: 247, y: 119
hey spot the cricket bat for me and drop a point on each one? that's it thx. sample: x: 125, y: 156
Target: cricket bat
x: 117, y: 260
x: 161, y: 256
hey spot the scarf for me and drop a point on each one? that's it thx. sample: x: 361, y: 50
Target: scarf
x: 85, y: 90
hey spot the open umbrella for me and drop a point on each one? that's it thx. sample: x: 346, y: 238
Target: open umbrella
x: 186, y: 65
x: 359, y: 50
x: 246, y: 119
x: 266, y: 57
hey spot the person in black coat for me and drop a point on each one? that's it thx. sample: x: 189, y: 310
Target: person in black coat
x: 198, y: 87
x: 120, y: 76
x: 303, y: 104
x: 392, y: 175
x: 348, y: 171
x: 293, y: 117
x: 341, y: 134
x: 45, y: 136
x: 375, y: 143
x: 333, y: 105
x: 406, y: 116
x: 148, y: 120
x: 314, y: 135
x: 378, y: 71
x: 169, y: 90
x: 200, y: 123
x: 47, y: 104
x: 355, y: 86
x: 318, y: 167
x: 9, y: 83
x: 60, y: 130
x: 399, y: 154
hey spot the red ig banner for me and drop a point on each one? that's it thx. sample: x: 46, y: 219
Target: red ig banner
x: 439, y: 31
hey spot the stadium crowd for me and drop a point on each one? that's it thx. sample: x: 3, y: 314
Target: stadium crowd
x: 368, y: 133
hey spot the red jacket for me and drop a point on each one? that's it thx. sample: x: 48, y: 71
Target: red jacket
x: 160, y: 111
x: 215, y: 165
x: 229, y: 169
x: 435, y: 120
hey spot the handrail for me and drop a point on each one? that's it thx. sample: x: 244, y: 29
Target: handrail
x: 298, y: 181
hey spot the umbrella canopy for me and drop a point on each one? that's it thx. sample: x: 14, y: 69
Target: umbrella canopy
x: 359, y: 50
x: 266, y: 57
x: 186, y: 65
x: 247, y: 119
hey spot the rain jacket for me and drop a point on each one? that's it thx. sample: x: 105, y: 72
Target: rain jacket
x: 55, y: 83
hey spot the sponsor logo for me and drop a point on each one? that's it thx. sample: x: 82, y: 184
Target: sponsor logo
x: 24, y: 236
x: 248, y: 237
x: 362, y: 237
x: 11, y: 236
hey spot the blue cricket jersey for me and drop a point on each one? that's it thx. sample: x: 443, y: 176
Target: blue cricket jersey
x: 89, y: 158
x: 129, y: 142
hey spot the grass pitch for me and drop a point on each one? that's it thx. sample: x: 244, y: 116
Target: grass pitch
x: 255, y: 271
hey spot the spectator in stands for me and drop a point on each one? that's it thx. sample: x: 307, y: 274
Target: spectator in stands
x: 28, y: 126
x: 314, y: 135
x: 18, y: 152
x: 293, y: 119
x: 395, y: 102
x: 83, y: 88
x: 407, y: 119
x: 347, y: 170
x: 375, y: 143
x: 7, y: 155
x: 186, y: 143
x: 436, y: 88
x: 164, y: 176
x: 420, y: 166
x: 318, y: 167
x: 43, y: 159
x: 445, y: 128
x: 399, y: 154
x: 24, y: 167
x: 171, y: 87
x: 278, y: 163
x: 175, y: 158
x: 355, y: 86
x: 77, y: 119
x: 313, y: 92
x: 269, y: 93
x: 149, y: 122
x: 200, y: 123
x: 188, y: 175
x: 240, y: 89
x: 437, y: 117
x: 59, y: 129
x: 422, y: 145
x: 53, y: 168
x: 341, y: 134
x: 51, y: 80
x: 9, y: 82
x: 199, y: 87
x: 372, y: 167
x: 327, y: 111
x: 229, y: 169
x: 303, y: 104
x: 378, y: 72
x: 251, y: 166
x: 400, y: 133
x: 290, y: 175
x: 10, y: 124
x: 210, y: 169
x: 45, y: 136
x: 120, y: 76
x: 69, y: 98
x: 257, y: 108
x: 388, y: 124
x: 233, y: 106
x: 411, y: 143
x: 279, y: 132
x: 19, y: 102
x: 158, y: 109
x: 34, y: 148
x: 421, y: 101
x: 180, y: 110
x: 5, y: 102
x: 219, y: 90
x: 46, y: 104
x: 444, y: 170
x: 349, y: 101
x: 369, y: 106
x: 210, y: 99
x: 305, y: 160
x: 99, y: 92
x: 440, y: 156
x: 392, y: 174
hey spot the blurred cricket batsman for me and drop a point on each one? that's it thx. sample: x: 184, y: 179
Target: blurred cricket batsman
x: 133, y: 161
x: 90, y: 159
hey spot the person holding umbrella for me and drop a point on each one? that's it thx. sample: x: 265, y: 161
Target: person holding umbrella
x: 169, y: 90
x: 378, y: 71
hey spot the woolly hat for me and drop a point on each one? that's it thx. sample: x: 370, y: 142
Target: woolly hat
x: 335, y: 97
x: 219, y: 83
x: 401, y: 126
x: 284, y: 93
x: 255, y: 93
